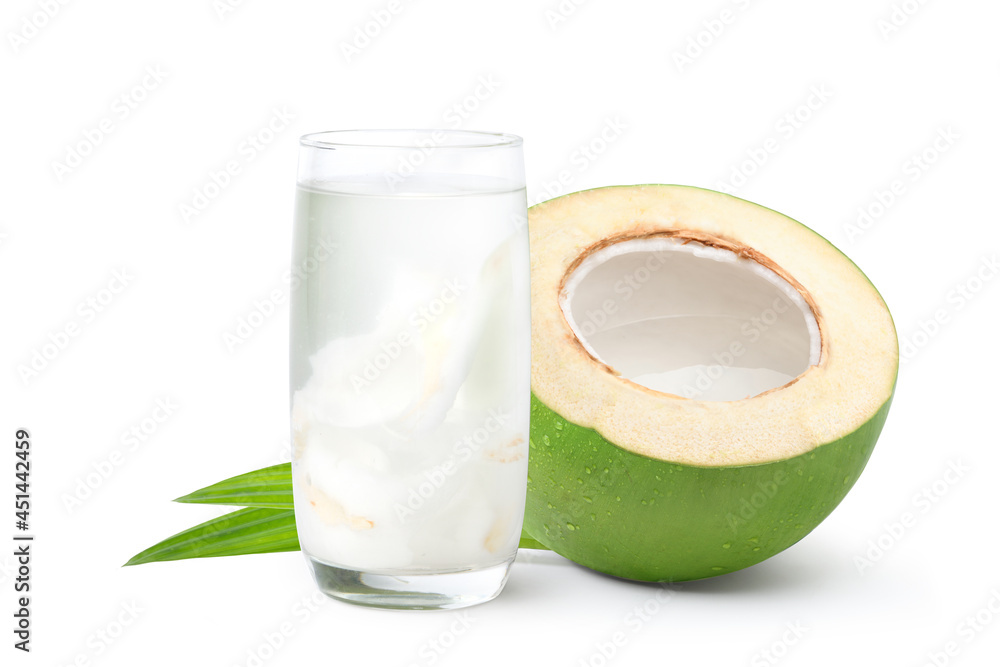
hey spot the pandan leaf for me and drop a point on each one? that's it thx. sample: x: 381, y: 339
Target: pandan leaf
x: 268, y: 487
x: 266, y: 526
x: 247, y: 531
x: 528, y: 542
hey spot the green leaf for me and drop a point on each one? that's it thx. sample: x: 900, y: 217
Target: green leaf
x: 268, y: 487
x: 266, y: 526
x: 246, y: 531
x: 528, y: 542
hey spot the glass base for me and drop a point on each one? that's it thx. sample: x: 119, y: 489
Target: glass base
x: 439, y: 590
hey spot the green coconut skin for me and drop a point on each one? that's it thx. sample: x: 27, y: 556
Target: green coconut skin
x: 641, y: 518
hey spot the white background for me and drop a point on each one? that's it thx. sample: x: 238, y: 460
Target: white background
x: 886, y: 96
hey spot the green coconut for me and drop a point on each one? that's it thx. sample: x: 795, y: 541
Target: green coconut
x: 709, y: 378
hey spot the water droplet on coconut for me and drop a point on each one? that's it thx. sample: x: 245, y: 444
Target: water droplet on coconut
x: 570, y: 526
x: 727, y: 545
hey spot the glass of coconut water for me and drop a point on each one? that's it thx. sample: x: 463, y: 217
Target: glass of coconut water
x: 410, y: 357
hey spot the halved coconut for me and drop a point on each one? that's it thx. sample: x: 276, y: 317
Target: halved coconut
x: 709, y: 378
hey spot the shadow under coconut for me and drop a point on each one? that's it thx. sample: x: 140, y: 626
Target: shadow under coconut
x: 797, y: 571
x: 801, y: 568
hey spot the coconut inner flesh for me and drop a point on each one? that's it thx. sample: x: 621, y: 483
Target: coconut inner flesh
x: 689, y: 319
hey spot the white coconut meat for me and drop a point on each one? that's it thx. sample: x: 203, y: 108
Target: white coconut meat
x: 689, y: 319
x: 695, y: 327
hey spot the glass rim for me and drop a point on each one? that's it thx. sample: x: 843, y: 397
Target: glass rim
x: 476, y: 139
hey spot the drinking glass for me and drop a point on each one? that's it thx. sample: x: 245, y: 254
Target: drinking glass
x: 410, y: 361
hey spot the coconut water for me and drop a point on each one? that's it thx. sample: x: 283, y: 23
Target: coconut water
x: 410, y: 373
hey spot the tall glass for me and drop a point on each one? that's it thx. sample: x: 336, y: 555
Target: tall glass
x: 410, y: 360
